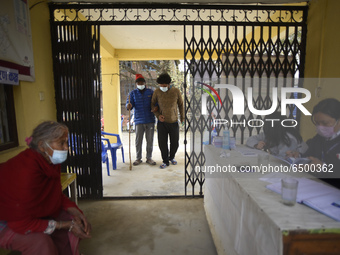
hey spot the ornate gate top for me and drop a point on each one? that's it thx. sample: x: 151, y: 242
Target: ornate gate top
x: 180, y: 14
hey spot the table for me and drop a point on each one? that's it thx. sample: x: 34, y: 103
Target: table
x: 69, y: 180
x: 247, y: 218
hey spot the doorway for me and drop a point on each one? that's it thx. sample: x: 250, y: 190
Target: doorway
x: 144, y: 180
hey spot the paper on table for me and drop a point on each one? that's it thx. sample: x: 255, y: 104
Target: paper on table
x: 316, y: 195
x: 306, y: 189
x: 324, y: 205
x: 247, y: 151
x: 294, y: 161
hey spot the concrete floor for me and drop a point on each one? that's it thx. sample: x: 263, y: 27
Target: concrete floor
x: 144, y: 180
x: 147, y: 226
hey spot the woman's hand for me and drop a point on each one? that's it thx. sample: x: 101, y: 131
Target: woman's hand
x: 81, y: 222
x: 260, y: 145
x: 292, y: 154
x: 161, y: 118
x: 315, y: 161
x: 77, y: 228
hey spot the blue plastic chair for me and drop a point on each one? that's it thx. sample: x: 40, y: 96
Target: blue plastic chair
x: 113, y: 149
x: 105, y: 156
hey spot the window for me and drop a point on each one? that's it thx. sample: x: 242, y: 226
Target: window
x: 8, y: 127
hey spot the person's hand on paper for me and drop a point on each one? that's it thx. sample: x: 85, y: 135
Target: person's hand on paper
x: 315, y: 161
x: 292, y: 154
x: 260, y: 145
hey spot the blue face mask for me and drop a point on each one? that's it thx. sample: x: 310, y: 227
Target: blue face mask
x: 58, y: 156
x: 164, y: 89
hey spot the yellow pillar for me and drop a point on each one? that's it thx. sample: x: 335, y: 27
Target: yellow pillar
x: 111, y: 95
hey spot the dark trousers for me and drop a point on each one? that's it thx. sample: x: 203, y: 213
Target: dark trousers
x: 166, y: 130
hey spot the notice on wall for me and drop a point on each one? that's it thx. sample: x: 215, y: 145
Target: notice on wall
x: 16, y: 51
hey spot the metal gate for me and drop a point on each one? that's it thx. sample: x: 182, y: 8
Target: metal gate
x: 256, y: 46
x: 76, y: 65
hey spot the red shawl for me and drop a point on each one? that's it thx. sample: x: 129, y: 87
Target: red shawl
x: 30, y: 192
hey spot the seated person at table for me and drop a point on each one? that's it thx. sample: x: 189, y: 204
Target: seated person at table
x: 277, y: 139
x: 324, y: 148
x: 36, y: 218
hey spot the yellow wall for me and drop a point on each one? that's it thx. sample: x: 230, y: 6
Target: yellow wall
x: 30, y: 111
x: 322, y: 56
x: 110, y: 88
x: 136, y: 55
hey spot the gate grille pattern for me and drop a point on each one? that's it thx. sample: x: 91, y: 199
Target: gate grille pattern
x: 76, y: 64
x: 260, y: 56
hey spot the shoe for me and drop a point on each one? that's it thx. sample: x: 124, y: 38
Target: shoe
x: 137, y: 162
x: 173, y: 161
x: 150, y: 162
x: 162, y: 166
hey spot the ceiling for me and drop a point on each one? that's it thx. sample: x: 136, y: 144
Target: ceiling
x: 144, y: 37
x: 157, y: 36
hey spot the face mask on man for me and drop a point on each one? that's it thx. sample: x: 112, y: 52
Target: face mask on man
x: 58, y: 156
x: 164, y: 89
x: 326, y: 132
x: 140, y: 86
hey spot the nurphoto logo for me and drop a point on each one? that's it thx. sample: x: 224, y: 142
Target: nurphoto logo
x: 238, y: 104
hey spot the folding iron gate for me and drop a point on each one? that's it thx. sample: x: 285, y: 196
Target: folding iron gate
x: 76, y: 64
x: 261, y: 48
x: 256, y: 46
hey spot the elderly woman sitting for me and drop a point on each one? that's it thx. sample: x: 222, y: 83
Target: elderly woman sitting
x: 35, y: 216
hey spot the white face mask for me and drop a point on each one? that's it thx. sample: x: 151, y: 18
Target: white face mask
x: 140, y: 87
x: 58, y: 156
x: 164, y: 89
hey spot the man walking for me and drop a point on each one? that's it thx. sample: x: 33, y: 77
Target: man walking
x: 140, y: 100
x: 169, y: 100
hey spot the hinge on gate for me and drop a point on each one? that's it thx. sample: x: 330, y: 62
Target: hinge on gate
x: 185, y: 141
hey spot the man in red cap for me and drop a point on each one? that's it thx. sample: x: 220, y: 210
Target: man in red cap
x: 140, y: 100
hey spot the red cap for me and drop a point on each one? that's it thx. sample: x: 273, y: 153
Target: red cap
x: 139, y: 76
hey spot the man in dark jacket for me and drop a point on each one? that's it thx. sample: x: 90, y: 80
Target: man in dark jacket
x: 140, y: 100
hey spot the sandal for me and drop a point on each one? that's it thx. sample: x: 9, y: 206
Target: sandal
x: 150, y: 162
x: 162, y: 166
x: 137, y: 162
x: 173, y: 161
